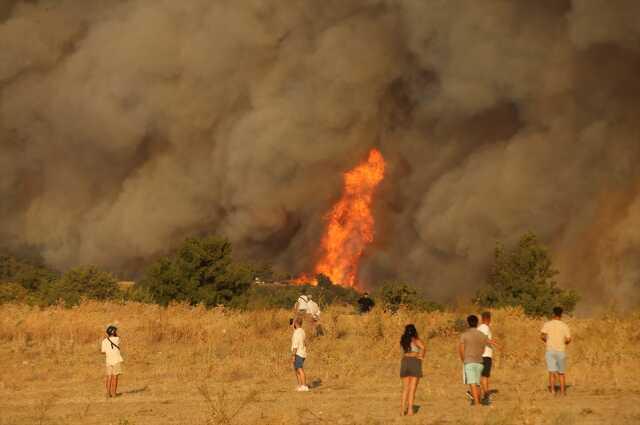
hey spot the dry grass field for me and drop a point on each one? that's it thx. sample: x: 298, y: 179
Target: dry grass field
x: 188, y: 365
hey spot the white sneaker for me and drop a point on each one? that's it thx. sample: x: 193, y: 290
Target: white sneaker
x: 304, y: 388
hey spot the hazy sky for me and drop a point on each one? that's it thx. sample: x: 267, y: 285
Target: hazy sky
x: 126, y: 126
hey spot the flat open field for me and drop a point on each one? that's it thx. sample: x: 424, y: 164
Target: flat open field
x: 192, y: 366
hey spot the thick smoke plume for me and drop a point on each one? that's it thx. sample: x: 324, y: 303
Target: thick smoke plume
x: 128, y: 125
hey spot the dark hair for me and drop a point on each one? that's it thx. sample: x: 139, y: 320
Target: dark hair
x: 410, y: 332
x: 472, y: 321
x: 112, y: 331
x: 557, y: 311
x: 486, y: 315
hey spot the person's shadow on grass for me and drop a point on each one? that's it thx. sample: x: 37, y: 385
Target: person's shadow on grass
x: 136, y: 390
x: 315, y: 383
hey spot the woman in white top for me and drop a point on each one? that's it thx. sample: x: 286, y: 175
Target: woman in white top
x: 410, y: 367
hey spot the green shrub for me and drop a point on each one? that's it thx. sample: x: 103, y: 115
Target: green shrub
x: 524, y: 277
x: 285, y: 296
x: 394, y: 295
x: 201, y: 271
x: 81, y: 282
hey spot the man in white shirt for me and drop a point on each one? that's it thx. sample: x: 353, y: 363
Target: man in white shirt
x: 487, y: 355
x: 313, y: 311
x: 300, y: 307
x: 556, y: 335
x: 111, y: 348
x: 299, y: 353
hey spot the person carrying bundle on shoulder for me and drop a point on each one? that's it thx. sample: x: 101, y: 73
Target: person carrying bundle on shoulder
x: 313, y: 311
x: 301, y: 305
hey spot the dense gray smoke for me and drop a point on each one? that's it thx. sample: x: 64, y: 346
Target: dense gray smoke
x: 126, y: 126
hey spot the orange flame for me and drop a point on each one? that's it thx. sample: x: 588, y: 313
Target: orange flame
x: 350, y: 223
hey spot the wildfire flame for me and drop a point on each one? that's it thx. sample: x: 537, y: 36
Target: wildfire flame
x: 350, y: 223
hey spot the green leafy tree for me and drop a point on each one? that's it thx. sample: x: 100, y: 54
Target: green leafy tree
x: 201, y: 271
x: 29, y: 275
x: 524, y: 277
x: 82, y: 282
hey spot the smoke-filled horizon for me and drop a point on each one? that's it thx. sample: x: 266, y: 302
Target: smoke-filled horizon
x: 126, y: 126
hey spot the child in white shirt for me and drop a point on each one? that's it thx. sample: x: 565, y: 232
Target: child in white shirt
x: 111, y: 348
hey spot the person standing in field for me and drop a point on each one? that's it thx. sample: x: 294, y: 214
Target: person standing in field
x: 410, y: 367
x: 471, y: 347
x: 299, y: 353
x: 487, y: 355
x: 313, y: 311
x: 556, y: 335
x: 365, y: 304
x: 111, y: 348
x: 300, y: 307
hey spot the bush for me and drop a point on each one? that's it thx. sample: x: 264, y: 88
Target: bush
x: 29, y: 275
x: 524, y: 277
x: 285, y: 296
x: 202, y: 271
x: 394, y: 295
x: 81, y: 282
x: 12, y: 292
x: 323, y: 281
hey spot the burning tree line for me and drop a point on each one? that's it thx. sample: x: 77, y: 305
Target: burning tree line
x: 203, y: 271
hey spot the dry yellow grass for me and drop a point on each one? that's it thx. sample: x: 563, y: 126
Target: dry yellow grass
x: 188, y: 365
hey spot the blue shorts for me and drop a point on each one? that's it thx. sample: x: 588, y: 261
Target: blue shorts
x: 472, y: 372
x: 556, y: 361
x: 298, y: 362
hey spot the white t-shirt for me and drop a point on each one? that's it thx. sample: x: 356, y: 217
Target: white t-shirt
x: 112, y: 352
x: 557, y: 332
x: 313, y: 309
x: 488, y: 351
x: 302, y: 302
x: 297, y: 343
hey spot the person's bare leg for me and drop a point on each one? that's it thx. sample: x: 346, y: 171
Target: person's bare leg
x: 405, y: 395
x: 413, y: 385
x: 563, y: 389
x: 484, y: 383
x: 115, y: 385
x: 552, y: 382
x: 475, y: 393
x: 303, y: 379
x: 107, y: 384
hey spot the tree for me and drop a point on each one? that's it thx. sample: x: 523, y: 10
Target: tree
x: 524, y: 277
x: 323, y: 280
x: 201, y: 271
x: 29, y: 275
x: 82, y: 282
